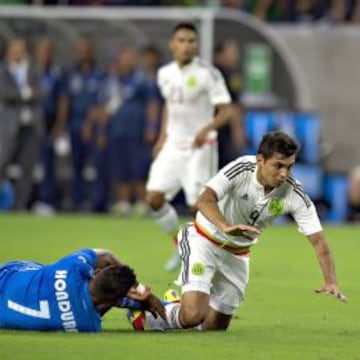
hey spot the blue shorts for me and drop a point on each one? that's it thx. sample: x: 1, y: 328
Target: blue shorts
x: 129, y: 159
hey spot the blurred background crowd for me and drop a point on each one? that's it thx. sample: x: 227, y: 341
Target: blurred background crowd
x: 68, y: 120
x: 331, y: 11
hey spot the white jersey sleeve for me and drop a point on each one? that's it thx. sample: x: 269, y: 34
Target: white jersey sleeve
x: 220, y: 183
x: 218, y: 91
x: 305, y: 214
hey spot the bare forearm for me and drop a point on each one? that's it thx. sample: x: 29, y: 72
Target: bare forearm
x: 326, y: 262
x: 207, y: 205
x: 222, y: 117
x: 163, y: 126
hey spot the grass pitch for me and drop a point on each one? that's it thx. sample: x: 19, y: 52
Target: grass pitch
x: 281, y: 318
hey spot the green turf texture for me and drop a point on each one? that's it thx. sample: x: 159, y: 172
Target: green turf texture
x: 282, y: 318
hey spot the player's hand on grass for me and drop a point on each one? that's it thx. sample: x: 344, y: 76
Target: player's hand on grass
x: 332, y: 289
x: 241, y: 230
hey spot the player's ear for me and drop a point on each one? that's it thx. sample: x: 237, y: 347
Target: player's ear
x: 260, y: 159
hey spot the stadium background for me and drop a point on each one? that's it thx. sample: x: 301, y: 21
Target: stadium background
x: 313, y: 80
x: 294, y: 89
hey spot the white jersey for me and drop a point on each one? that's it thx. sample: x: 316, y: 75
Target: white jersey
x: 242, y: 200
x: 191, y: 93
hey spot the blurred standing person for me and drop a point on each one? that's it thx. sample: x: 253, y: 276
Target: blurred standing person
x: 231, y: 136
x: 354, y: 194
x: 196, y: 105
x: 306, y: 11
x: 151, y: 60
x: 21, y: 121
x: 345, y: 11
x: 79, y: 92
x: 127, y: 102
x: 50, y: 83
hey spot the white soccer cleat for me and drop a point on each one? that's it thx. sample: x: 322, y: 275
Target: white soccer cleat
x: 174, y: 262
x: 146, y: 321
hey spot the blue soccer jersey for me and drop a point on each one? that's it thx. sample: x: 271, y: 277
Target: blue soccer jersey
x: 49, y: 297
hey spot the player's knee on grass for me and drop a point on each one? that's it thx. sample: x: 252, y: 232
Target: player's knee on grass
x: 216, y: 321
x: 155, y: 200
x: 192, y: 315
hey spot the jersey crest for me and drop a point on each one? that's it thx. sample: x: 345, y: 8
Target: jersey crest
x: 276, y: 207
x: 191, y: 82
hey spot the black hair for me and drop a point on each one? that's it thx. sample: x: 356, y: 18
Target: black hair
x: 184, y: 26
x: 277, y: 142
x: 151, y: 48
x: 113, y: 282
x: 222, y: 45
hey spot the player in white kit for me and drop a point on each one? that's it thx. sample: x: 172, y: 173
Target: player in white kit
x: 237, y: 205
x: 196, y: 104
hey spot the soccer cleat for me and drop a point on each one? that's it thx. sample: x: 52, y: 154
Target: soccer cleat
x: 137, y: 319
x: 146, y: 321
x: 174, y: 262
x: 171, y: 296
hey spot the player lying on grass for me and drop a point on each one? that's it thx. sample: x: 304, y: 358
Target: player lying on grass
x: 235, y: 206
x: 71, y: 294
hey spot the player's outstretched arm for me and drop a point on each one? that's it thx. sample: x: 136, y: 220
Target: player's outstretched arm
x: 242, y: 230
x: 327, y: 266
x: 207, y: 205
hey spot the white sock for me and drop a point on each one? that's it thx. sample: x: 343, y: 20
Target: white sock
x: 172, y: 319
x: 172, y: 312
x: 167, y: 219
x: 172, y: 315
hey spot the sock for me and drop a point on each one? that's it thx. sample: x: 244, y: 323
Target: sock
x: 172, y: 315
x: 167, y: 219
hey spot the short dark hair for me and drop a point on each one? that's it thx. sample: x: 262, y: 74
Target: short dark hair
x: 113, y: 282
x: 184, y: 26
x: 153, y: 49
x: 277, y: 142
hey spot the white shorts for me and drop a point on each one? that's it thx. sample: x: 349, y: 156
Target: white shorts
x: 212, y: 270
x: 188, y: 169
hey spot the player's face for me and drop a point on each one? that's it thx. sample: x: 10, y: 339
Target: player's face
x: 17, y: 51
x: 275, y: 170
x: 84, y: 51
x: 183, y: 46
